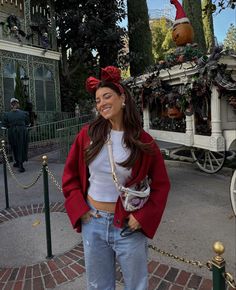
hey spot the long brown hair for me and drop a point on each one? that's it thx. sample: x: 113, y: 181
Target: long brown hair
x: 100, y: 128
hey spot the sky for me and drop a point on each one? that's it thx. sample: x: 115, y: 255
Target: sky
x: 221, y: 21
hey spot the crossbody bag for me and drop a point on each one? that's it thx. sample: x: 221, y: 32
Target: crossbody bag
x: 132, y: 199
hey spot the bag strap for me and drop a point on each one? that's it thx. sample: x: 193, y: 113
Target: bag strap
x: 112, y: 163
x: 120, y: 187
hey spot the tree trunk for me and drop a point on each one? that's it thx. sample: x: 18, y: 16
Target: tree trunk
x: 193, y: 9
x: 208, y: 24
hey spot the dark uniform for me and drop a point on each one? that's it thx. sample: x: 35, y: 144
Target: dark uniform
x: 16, y: 121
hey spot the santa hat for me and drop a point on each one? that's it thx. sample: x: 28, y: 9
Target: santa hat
x: 180, y: 14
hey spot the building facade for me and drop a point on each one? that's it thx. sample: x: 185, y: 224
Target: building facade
x: 28, y: 45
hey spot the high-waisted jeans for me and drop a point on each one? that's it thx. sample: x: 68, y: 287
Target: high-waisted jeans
x: 103, y: 245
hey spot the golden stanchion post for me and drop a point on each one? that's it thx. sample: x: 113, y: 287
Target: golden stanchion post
x: 218, y: 267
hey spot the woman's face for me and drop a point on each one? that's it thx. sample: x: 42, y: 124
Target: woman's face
x: 109, y: 104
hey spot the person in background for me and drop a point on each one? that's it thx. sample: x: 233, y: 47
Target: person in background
x: 92, y: 201
x: 17, y: 122
x: 32, y: 114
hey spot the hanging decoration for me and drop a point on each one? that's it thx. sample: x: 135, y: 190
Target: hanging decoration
x: 12, y: 26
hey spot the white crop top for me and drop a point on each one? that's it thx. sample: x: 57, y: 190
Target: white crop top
x: 102, y: 187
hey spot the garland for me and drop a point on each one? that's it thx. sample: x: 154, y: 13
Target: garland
x: 169, y: 104
x: 209, y: 72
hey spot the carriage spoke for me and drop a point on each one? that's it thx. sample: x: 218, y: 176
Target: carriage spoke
x: 214, y: 158
x: 210, y: 161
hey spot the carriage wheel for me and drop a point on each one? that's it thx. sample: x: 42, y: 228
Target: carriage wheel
x: 208, y: 161
x: 233, y: 192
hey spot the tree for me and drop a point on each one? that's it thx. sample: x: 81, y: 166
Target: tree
x: 230, y: 39
x: 223, y: 4
x: 207, y: 9
x: 109, y: 41
x: 162, y: 42
x: 193, y: 9
x: 140, y: 39
x: 89, y: 37
x: 19, y: 92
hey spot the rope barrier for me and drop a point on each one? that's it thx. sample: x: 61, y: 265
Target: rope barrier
x: 35, y: 180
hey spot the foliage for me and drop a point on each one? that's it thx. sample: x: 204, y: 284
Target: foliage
x: 223, y: 4
x: 230, y: 39
x: 193, y: 10
x: 140, y: 39
x: 162, y: 42
x: 19, y: 89
x: 208, y: 24
x: 89, y: 38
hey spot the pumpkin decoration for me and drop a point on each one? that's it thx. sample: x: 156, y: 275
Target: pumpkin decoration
x: 232, y: 102
x: 182, y: 30
x: 174, y: 113
x: 182, y: 34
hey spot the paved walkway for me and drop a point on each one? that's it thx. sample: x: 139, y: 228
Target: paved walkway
x: 68, y: 266
x: 23, y: 249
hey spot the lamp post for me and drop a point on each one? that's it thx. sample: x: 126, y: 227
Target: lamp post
x: 25, y: 82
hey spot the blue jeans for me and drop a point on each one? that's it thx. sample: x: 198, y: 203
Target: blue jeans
x: 103, y: 245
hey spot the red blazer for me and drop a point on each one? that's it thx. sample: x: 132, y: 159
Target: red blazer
x: 75, y: 185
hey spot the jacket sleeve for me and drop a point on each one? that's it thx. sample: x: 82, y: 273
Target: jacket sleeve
x: 73, y: 181
x: 149, y: 216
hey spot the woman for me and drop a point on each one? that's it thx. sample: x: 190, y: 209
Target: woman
x: 93, y: 202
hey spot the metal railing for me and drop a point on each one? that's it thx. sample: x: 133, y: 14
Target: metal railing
x: 52, y: 116
x: 51, y: 136
x: 47, y: 131
x: 65, y: 136
x: 49, y: 116
x: 34, y: 41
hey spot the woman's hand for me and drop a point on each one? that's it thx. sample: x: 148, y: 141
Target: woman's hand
x: 133, y: 223
x: 86, y: 217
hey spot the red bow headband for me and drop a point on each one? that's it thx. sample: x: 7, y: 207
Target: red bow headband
x: 109, y: 74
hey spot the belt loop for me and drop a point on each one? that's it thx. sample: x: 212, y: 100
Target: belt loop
x: 95, y: 213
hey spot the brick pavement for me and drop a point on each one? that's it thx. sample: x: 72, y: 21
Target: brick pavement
x: 68, y: 266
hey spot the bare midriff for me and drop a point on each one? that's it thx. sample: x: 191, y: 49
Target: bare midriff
x: 101, y: 205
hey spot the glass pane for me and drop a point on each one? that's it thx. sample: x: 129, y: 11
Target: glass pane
x: 40, y: 102
x: 9, y: 70
x: 39, y: 73
x: 50, y: 96
x: 22, y: 72
x: 47, y: 74
x: 8, y: 86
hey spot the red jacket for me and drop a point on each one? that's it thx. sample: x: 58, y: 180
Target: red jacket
x: 75, y: 185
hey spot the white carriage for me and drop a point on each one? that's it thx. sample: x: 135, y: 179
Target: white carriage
x: 208, y: 147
